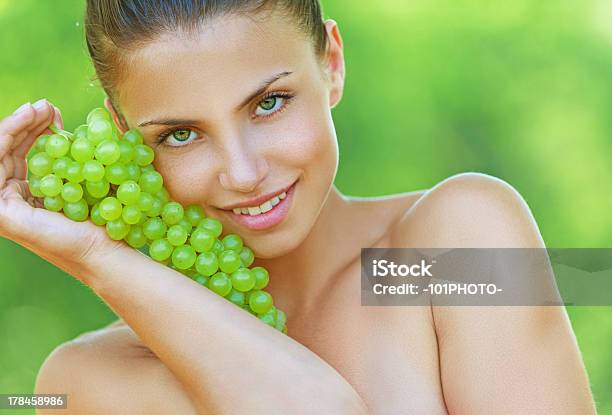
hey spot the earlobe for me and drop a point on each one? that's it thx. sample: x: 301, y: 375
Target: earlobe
x: 117, y: 117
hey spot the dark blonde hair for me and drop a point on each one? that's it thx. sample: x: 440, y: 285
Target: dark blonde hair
x: 113, y: 27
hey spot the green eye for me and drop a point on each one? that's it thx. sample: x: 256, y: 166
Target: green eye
x: 181, y: 135
x: 268, y: 103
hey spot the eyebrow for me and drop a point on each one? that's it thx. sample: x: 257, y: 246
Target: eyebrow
x: 262, y: 88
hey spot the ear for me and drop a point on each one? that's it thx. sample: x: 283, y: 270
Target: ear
x: 335, y: 62
x: 117, y: 117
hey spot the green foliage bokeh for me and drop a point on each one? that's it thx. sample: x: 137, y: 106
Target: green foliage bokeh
x: 520, y: 90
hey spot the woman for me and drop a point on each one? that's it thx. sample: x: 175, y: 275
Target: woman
x: 236, y: 99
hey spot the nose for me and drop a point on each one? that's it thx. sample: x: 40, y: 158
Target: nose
x: 244, y: 169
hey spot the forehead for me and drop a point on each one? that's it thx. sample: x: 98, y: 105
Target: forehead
x: 226, y: 58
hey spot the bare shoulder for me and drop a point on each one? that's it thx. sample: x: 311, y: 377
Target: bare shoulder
x: 111, y: 371
x: 469, y: 210
x: 487, y: 351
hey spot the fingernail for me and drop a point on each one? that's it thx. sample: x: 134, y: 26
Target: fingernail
x: 22, y: 108
x: 40, y: 104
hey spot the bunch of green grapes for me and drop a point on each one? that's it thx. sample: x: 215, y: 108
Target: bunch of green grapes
x: 96, y: 173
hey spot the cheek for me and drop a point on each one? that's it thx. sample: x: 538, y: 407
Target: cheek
x: 305, y: 142
x: 188, y: 176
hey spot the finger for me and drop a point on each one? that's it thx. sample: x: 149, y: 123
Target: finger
x: 15, y: 124
x: 44, y: 117
x: 57, y: 118
x: 7, y: 168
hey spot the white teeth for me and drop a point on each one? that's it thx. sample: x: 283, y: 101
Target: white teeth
x: 254, y: 211
x: 265, y: 207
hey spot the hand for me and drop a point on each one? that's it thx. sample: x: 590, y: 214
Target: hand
x: 23, y: 219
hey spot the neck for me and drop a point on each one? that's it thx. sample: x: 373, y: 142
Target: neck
x: 298, y: 278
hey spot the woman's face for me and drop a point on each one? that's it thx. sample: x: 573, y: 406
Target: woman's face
x: 216, y: 144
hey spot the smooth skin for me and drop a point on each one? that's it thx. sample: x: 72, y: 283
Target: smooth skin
x: 179, y: 348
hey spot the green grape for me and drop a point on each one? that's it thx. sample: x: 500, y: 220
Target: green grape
x: 163, y: 195
x: 133, y: 137
x: 91, y: 200
x: 172, y: 213
x: 143, y: 155
x: 236, y: 297
x: 72, y: 192
x: 136, y: 237
x: 127, y: 151
x: 117, y: 229
x: 194, y: 213
x: 150, y: 182
x: 145, y: 201
x: 281, y: 319
x: 128, y: 192
x: 154, y: 228
x: 116, y: 173
x: 110, y: 208
x: 80, y: 132
x: 108, y: 152
x: 93, y: 171
x: 232, y: 242
x: 138, y: 208
x: 220, y: 283
x: 34, y: 185
x: 40, y: 143
x: 201, y: 240
x: 183, y: 257
x: 99, y: 130
x: 243, y: 279
x: 97, y: 189
x: 212, y: 225
x: 229, y: 261
x: 191, y: 273
x: 131, y: 214
x: 185, y: 224
x: 133, y: 171
x: 41, y: 164
x: 261, y: 277
x: 207, y: 264
x: 57, y: 146
x: 176, y: 235
x: 217, y: 247
x: 51, y: 185
x: 156, y: 208
x: 247, y: 256
x: 74, y: 172
x: 160, y: 249
x: 259, y: 301
x: 268, y: 319
x: 53, y: 203
x: 60, y: 166
x: 82, y: 150
x: 77, y: 211
x: 202, y: 280
x: 95, y: 215
x: 98, y: 113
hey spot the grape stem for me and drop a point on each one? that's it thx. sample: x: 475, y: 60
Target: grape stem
x: 56, y: 130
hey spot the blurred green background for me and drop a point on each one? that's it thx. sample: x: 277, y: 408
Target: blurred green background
x: 520, y: 90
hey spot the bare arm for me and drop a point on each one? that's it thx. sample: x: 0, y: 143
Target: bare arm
x: 497, y: 360
x: 208, y: 343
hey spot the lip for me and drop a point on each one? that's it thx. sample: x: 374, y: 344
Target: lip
x: 266, y: 220
x: 256, y: 201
